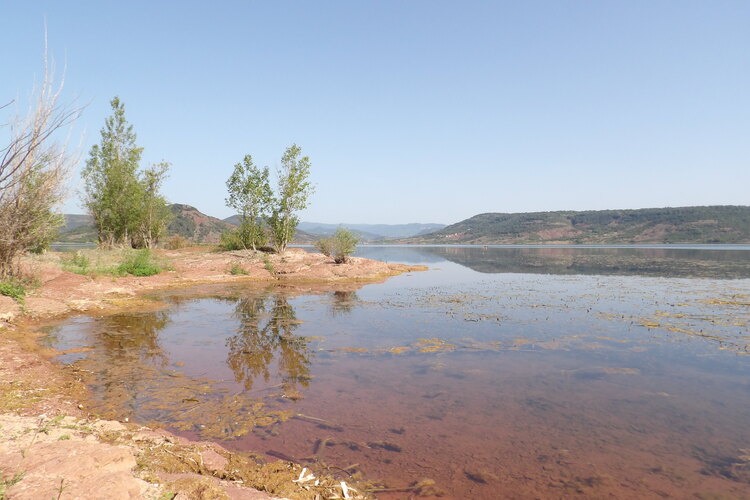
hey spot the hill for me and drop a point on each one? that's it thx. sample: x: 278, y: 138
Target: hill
x: 188, y: 222
x: 372, y: 232
x: 715, y: 224
x: 191, y: 223
x: 365, y: 232
x: 78, y: 228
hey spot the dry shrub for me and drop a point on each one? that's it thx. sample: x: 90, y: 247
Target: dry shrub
x: 33, y: 169
x: 175, y: 242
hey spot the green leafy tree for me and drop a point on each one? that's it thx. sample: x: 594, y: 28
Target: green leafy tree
x: 250, y: 195
x: 112, y: 188
x: 154, y: 214
x: 126, y: 205
x: 294, y: 190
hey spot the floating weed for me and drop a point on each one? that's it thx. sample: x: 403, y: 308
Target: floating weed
x: 351, y: 349
x: 734, y: 300
x: 399, y: 349
x: 434, y: 345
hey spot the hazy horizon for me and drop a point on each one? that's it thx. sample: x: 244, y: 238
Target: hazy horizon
x: 418, y: 111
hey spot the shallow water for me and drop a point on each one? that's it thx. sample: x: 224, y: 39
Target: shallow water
x: 498, y: 373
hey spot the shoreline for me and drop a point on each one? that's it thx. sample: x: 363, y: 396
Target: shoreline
x: 52, y: 447
x: 62, y: 292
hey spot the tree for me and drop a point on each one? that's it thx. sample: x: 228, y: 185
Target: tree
x: 154, y: 211
x: 250, y: 195
x: 126, y: 205
x: 339, y: 246
x: 112, y: 188
x: 294, y: 190
x: 33, y: 169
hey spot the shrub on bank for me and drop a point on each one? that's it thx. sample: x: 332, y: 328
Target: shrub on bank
x: 237, y: 269
x: 14, y: 289
x: 175, y: 242
x: 340, y: 245
x: 231, y: 240
x: 139, y: 264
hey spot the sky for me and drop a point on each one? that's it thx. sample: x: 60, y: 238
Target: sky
x: 410, y: 111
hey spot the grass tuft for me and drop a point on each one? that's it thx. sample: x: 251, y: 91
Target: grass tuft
x: 237, y: 269
x: 14, y: 289
x: 139, y: 264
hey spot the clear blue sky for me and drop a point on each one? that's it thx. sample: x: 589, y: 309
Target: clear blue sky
x: 414, y: 110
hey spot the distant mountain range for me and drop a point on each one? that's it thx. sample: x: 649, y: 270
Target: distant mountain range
x: 713, y: 224
x: 373, y: 232
x: 198, y: 227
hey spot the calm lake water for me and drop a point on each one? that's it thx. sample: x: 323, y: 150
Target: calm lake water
x: 511, y: 372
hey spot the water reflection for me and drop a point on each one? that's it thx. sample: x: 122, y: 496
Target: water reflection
x: 152, y: 366
x: 665, y: 262
x: 343, y: 302
x: 266, y: 332
x: 125, y: 358
x: 494, y: 385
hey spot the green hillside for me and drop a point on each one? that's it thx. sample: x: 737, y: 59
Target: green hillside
x: 715, y: 224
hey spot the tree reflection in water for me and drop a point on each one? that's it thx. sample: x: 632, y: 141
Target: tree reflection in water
x: 266, y: 332
x: 126, y: 359
x: 343, y: 302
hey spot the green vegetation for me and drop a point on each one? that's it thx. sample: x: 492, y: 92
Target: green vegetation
x: 294, y: 190
x: 154, y: 214
x: 7, y: 483
x: 237, y: 269
x: 115, y: 262
x: 231, y: 240
x: 79, y: 263
x: 267, y: 264
x: 13, y: 288
x: 717, y: 224
x: 125, y: 204
x: 250, y: 195
x: 339, y: 246
x: 139, y: 264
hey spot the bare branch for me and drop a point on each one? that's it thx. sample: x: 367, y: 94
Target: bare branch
x: 33, y: 169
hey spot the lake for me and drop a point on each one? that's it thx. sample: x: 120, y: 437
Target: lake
x: 501, y: 372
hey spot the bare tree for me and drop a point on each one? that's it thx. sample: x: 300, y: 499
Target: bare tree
x: 33, y: 169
